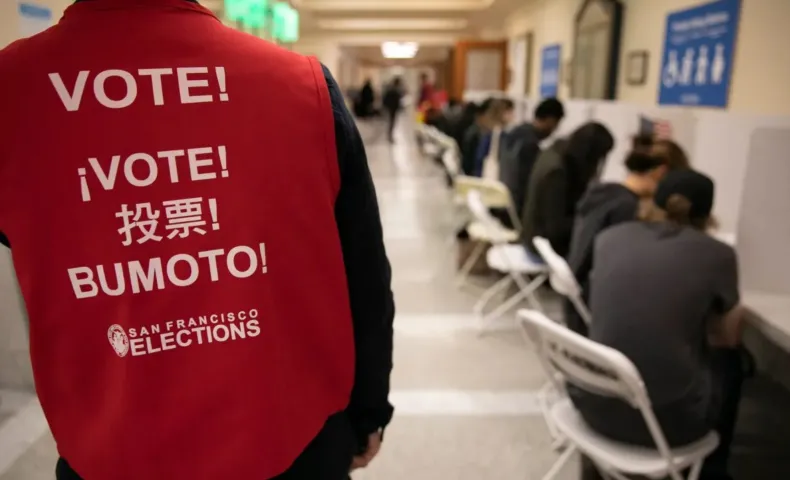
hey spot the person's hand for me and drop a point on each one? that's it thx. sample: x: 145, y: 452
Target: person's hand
x: 374, y: 445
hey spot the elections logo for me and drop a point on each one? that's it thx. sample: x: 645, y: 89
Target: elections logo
x: 119, y: 341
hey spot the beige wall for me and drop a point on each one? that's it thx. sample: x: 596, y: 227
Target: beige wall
x: 327, y: 52
x: 761, y: 73
x: 9, y: 18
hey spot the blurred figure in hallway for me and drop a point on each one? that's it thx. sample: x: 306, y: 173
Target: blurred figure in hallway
x: 393, y: 99
x: 426, y: 89
x: 365, y: 105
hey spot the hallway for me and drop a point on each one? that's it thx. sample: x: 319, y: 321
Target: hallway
x: 465, y: 406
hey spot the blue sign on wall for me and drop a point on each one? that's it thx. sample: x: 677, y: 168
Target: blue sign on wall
x: 699, y: 48
x: 549, y: 71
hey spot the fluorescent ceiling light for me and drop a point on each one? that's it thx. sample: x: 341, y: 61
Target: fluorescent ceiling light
x: 363, y: 24
x: 396, y: 50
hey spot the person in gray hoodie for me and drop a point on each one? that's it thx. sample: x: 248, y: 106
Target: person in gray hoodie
x: 605, y: 205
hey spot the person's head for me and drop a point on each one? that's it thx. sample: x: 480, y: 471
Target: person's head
x: 424, y: 78
x: 548, y: 115
x: 397, y: 82
x: 644, y: 172
x: 494, y: 112
x: 672, y: 153
x: 685, y: 198
x: 585, y: 152
x: 368, y: 82
x: 642, y: 143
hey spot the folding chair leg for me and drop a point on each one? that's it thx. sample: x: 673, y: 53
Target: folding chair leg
x: 544, y: 399
x: 486, y: 297
x: 696, y: 470
x: 469, y: 264
x: 560, y: 464
x: 525, y: 290
x: 531, y: 297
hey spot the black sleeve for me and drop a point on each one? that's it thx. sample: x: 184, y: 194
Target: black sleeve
x: 552, y: 202
x: 368, y: 273
x: 527, y: 156
x: 469, y: 150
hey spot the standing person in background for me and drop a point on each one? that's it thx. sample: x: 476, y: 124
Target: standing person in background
x: 393, y: 100
x: 665, y: 294
x: 367, y: 100
x: 558, y: 181
x: 258, y: 347
x: 426, y: 89
x: 521, y: 146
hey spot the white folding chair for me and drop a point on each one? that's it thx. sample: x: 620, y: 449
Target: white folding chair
x: 507, y: 258
x: 561, y: 277
x: 493, y: 194
x: 569, y: 357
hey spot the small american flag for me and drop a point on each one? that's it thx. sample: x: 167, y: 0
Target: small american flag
x: 662, y: 130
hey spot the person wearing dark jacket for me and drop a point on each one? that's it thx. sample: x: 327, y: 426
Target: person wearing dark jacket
x: 392, y: 103
x: 470, y: 138
x: 557, y: 183
x: 605, y: 205
x: 521, y: 146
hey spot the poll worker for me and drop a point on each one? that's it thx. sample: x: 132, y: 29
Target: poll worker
x: 222, y: 306
x: 665, y: 294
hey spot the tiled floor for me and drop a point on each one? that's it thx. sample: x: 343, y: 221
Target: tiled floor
x: 466, y: 406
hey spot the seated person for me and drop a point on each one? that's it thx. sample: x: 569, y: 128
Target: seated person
x: 471, y: 138
x: 520, y: 148
x: 558, y: 180
x: 605, y: 205
x: 665, y: 294
x: 477, y: 139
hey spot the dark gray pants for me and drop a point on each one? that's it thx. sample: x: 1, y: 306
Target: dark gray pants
x: 681, y: 424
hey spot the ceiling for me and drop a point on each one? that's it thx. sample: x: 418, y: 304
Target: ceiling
x: 362, y: 25
x: 371, y: 55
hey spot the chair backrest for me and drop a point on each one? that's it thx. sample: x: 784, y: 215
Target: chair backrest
x: 479, y: 209
x: 451, y: 162
x: 572, y: 358
x: 498, y: 234
x: 493, y: 192
x: 561, y: 277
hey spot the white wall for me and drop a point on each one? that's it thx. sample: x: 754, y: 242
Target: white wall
x: 762, y: 61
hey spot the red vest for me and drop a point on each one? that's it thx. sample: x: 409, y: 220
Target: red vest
x: 168, y: 186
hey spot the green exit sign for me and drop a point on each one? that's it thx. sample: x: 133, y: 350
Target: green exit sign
x: 285, y: 23
x: 250, y: 13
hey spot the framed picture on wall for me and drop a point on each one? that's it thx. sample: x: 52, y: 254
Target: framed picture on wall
x: 636, y: 67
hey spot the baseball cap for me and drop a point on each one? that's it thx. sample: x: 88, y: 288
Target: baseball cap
x: 696, y: 187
